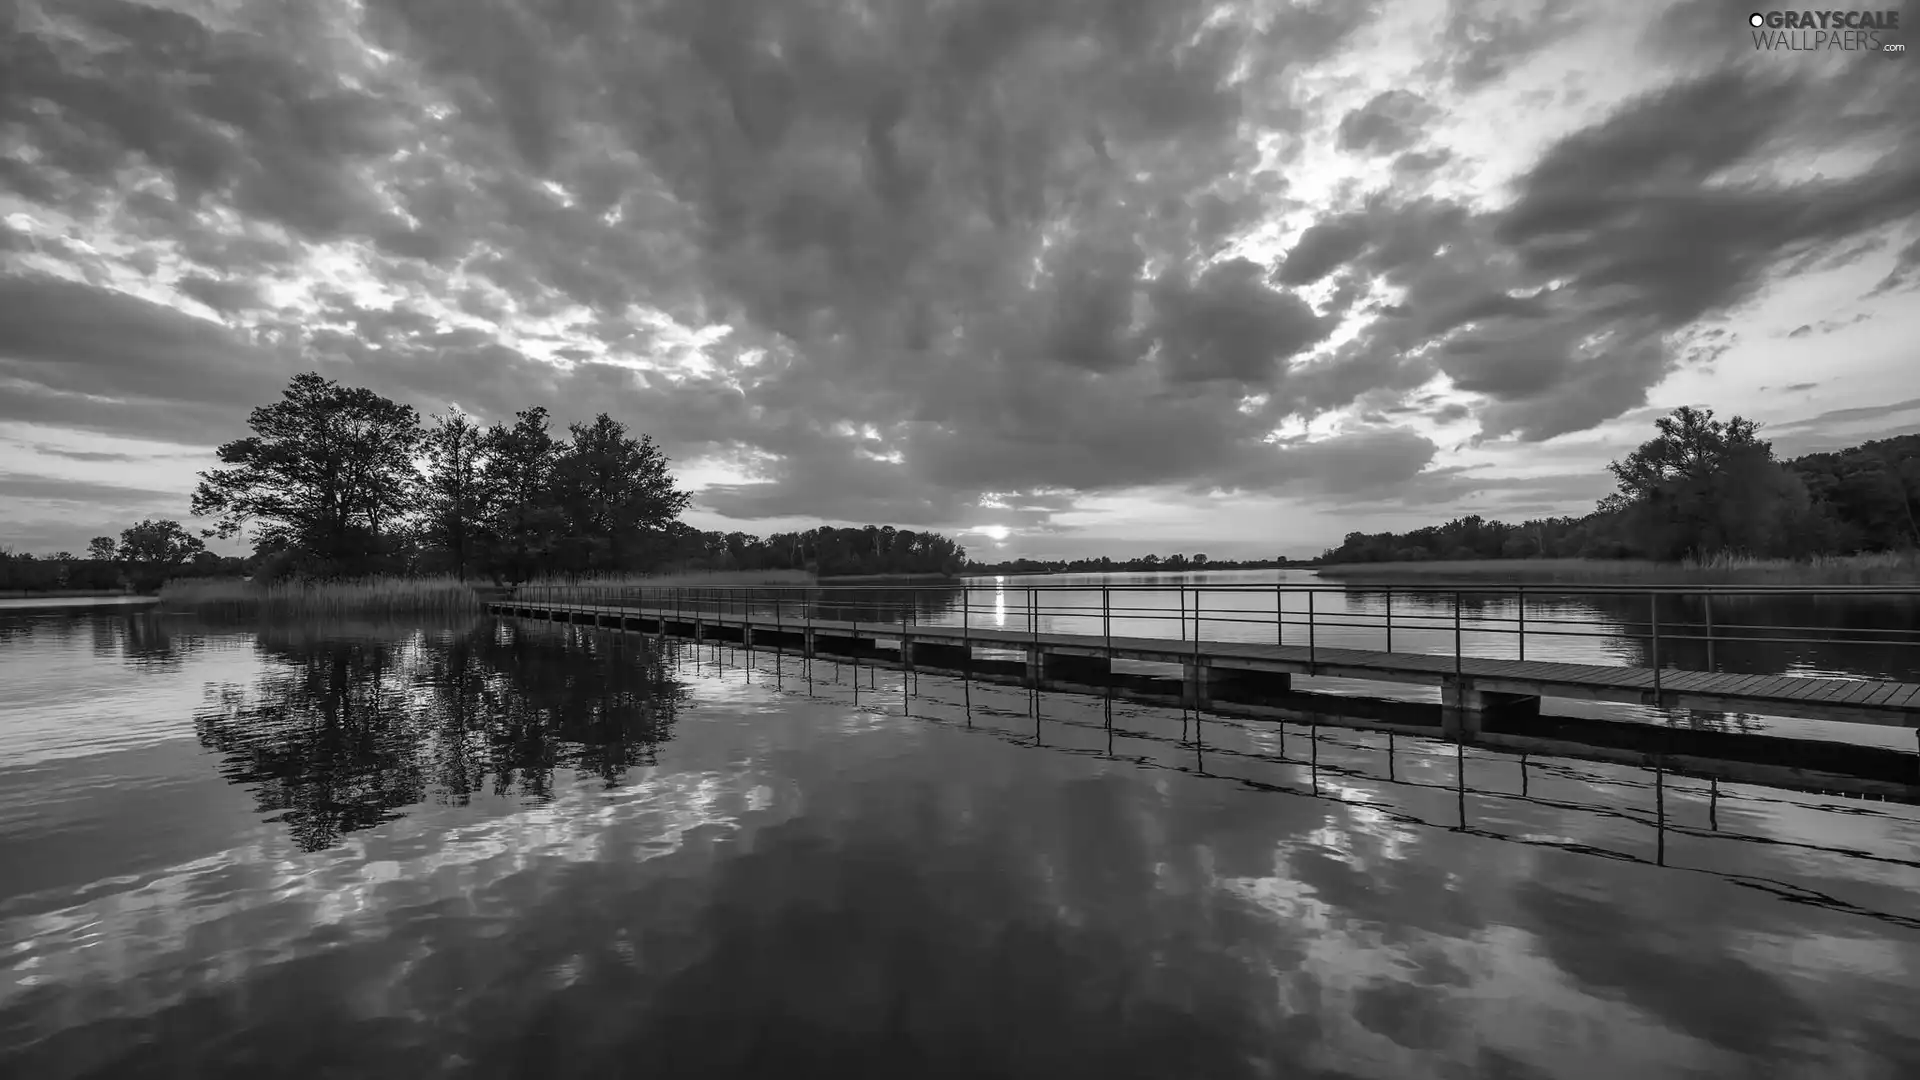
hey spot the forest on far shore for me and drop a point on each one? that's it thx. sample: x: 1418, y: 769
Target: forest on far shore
x: 1699, y: 488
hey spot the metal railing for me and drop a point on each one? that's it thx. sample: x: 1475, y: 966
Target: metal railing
x: 1671, y: 627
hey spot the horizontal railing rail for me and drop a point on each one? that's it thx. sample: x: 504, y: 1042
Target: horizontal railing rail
x: 1674, y: 627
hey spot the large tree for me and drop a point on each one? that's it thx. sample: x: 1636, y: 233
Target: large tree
x: 456, y: 501
x: 159, y: 544
x: 615, y: 491
x: 1702, y: 486
x: 518, y: 470
x: 325, y: 474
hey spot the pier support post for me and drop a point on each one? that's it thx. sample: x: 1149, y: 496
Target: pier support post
x: 1194, y: 688
x: 1036, y: 666
x: 906, y: 653
x: 807, y: 648
x: 1464, y: 709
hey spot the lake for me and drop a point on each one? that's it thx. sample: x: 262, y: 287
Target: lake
x: 523, y: 849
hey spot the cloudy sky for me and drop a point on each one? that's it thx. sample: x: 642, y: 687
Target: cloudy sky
x: 1103, y: 276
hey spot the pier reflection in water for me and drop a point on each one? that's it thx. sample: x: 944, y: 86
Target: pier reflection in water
x: 545, y: 850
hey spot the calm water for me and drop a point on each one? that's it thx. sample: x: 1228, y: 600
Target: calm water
x: 536, y: 850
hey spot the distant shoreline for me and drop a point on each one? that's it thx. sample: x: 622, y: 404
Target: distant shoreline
x: 37, y: 594
x: 91, y: 602
x: 1881, y: 569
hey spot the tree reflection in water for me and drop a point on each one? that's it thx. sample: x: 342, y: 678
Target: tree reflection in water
x: 355, y: 723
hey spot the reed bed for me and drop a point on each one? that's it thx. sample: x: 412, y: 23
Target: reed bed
x: 1885, y: 568
x: 432, y: 597
x: 587, y: 589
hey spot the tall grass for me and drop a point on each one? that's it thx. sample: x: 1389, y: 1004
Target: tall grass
x: 1886, y: 568
x: 588, y: 589
x: 383, y: 596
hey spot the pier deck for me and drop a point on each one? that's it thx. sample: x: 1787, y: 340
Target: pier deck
x: 1471, y: 687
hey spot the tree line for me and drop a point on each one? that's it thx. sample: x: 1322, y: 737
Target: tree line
x: 338, y: 481
x: 827, y: 551
x: 1700, y: 487
x: 142, y: 557
x: 1147, y: 564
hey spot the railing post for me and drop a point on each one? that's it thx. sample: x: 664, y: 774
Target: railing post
x: 1106, y: 622
x: 1523, y: 622
x: 1389, y: 620
x: 966, y: 631
x: 1035, y: 665
x: 1279, y: 614
x: 1312, y: 645
x: 1456, y: 638
x: 1653, y: 637
x: 1707, y: 598
x: 1183, y: 611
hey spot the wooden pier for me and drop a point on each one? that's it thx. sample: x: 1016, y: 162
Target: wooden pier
x: 1473, y: 689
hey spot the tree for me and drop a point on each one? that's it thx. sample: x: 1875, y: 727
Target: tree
x: 614, y: 491
x: 326, y: 472
x: 1703, y: 486
x: 102, y: 548
x: 156, y: 549
x: 517, y: 469
x: 455, y: 499
x: 159, y: 543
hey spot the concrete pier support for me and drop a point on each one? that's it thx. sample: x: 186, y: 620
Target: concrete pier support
x: 1202, y: 687
x: 1195, y: 690
x: 1464, y: 708
x: 1078, y: 670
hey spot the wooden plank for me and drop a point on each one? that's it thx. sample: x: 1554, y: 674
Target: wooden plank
x: 1686, y: 681
x: 1791, y: 688
x: 1884, y: 694
x: 1832, y: 691
x: 1858, y: 692
x: 1881, y: 693
x: 1781, y: 688
x: 1742, y: 685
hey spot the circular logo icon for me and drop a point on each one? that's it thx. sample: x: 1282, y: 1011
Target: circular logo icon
x: 1757, y: 19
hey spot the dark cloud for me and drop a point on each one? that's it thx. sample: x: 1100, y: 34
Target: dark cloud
x: 1417, y: 162
x: 94, y: 456
x: 1230, y: 326
x: 1389, y: 123
x: 53, y: 489
x: 1905, y: 273
x: 1321, y: 249
x: 228, y: 297
x: 100, y: 360
x: 1849, y: 416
